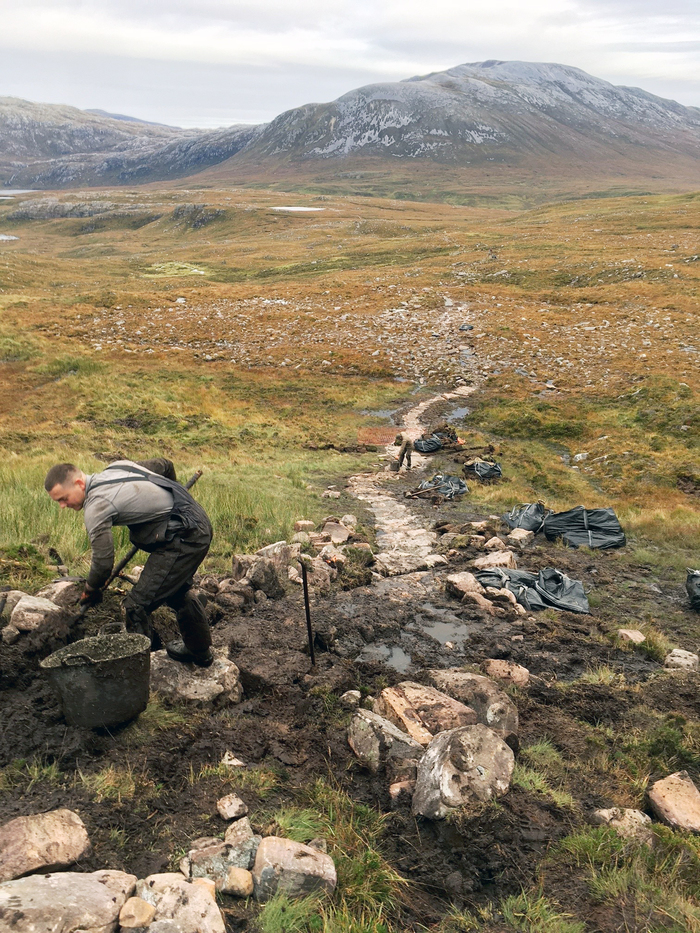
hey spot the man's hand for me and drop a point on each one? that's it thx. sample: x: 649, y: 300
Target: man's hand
x: 91, y: 596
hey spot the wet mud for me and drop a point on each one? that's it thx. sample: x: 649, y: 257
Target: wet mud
x: 290, y: 723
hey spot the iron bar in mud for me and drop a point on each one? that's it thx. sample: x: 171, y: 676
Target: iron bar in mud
x: 309, y: 630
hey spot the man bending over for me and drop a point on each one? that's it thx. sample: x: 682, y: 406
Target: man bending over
x: 163, y: 519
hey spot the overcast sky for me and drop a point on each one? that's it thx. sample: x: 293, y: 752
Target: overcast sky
x: 218, y: 62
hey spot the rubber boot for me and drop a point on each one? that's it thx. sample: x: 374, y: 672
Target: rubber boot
x: 139, y: 622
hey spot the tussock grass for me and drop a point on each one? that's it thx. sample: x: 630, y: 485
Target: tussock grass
x: 28, y: 774
x: 534, y: 913
x: 537, y: 783
x: 660, y: 882
x: 111, y: 783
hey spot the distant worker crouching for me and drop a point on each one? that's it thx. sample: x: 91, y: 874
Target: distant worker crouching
x: 163, y: 519
x: 405, y: 451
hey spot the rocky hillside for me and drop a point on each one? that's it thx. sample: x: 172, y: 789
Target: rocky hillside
x: 502, y: 112
x: 486, y: 110
x: 53, y: 146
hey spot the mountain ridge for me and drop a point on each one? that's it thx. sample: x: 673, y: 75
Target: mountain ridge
x: 515, y: 113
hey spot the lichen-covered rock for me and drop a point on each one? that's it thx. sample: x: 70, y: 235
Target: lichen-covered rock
x: 202, y: 686
x: 190, y: 906
x: 630, y: 824
x: 286, y: 867
x: 375, y: 740
x: 65, y: 901
x: 464, y: 767
x: 262, y: 575
x: 40, y: 842
x: 678, y: 659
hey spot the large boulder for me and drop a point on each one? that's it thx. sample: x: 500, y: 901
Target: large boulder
x: 40, y: 842
x: 65, y: 902
x: 465, y: 767
x: 190, y: 906
x: 320, y: 575
x: 676, y: 801
x: 376, y: 741
x: 281, y: 554
x: 290, y: 868
x: 492, y: 706
x: 64, y: 593
x: 33, y: 612
x: 677, y: 659
x: 216, y: 685
x: 262, y: 575
x: 422, y: 711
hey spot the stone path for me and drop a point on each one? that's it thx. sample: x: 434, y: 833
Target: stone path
x: 404, y: 544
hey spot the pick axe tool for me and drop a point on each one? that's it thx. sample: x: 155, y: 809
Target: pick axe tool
x: 128, y: 557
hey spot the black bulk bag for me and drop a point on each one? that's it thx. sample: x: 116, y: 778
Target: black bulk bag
x: 594, y: 528
x: 530, y: 517
x: 692, y: 588
x: 561, y: 591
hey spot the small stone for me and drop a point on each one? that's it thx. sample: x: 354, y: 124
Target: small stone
x: 260, y: 597
x: 331, y: 555
x: 229, y: 760
x: 242, y: 843
x: 330, y: 494
x: 351, y: 699
x: 136, y: 914
x: 231, y: 807
x: 350, y: 521
x: 682, y: 660
x: 676, y: 801
x: 301, y: 537
x: 631, y: 634
x: 304, y: 525
x: 504, y: 559
x: 507, y: 671
x: 10, y: 635
x: 630, y: 824
x: 319, y: 844
x: 190, y: 906
x: 521, y: 538
x: 400, y: 792
x: 495, y: 544
x: 238, y: 883
x: 12, y: 597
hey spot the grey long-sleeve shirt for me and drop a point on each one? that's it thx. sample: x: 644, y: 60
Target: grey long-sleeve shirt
x: 130, y: 502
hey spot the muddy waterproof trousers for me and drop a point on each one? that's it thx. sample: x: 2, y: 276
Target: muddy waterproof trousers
x: 167, y: 579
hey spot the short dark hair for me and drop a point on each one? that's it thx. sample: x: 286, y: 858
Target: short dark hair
x: 58, y: 475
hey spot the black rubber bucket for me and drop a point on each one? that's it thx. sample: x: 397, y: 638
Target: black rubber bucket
x: 101, y: 681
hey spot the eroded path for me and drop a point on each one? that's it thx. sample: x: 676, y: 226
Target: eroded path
x: 404, y: 544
